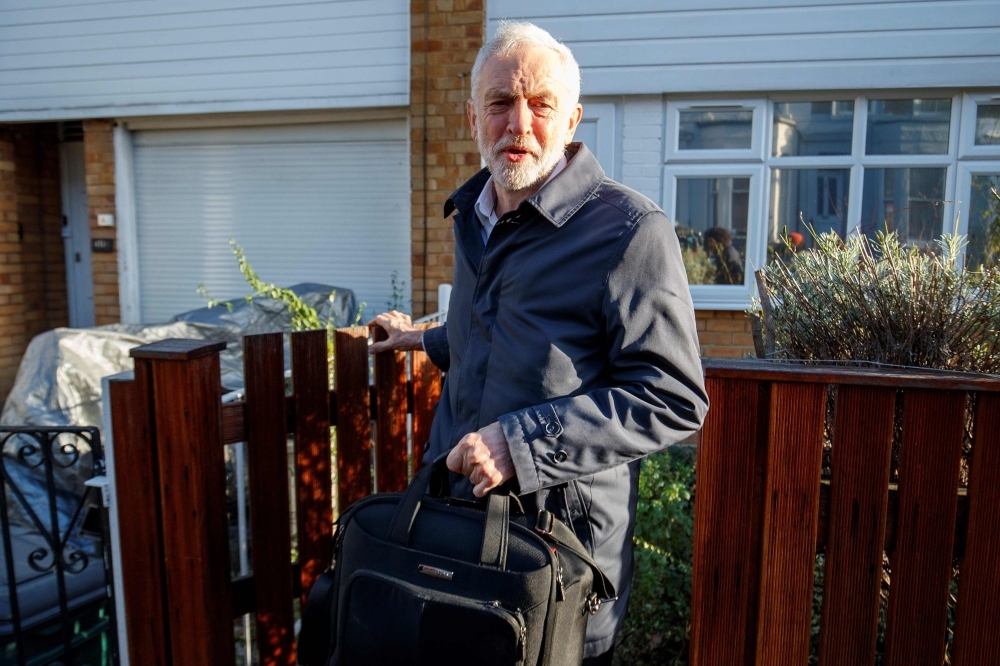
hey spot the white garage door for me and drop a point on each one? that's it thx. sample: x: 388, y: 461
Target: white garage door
x: 326, y: 203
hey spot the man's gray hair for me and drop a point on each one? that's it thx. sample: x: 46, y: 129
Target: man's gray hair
x: 510, y: 38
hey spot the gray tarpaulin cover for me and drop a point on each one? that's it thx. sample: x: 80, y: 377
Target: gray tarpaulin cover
x: 59, y: 381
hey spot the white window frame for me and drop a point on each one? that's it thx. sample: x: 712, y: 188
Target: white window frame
x: 962, y: 161
x: 966, y: 170
x: 717, y: 296
x: 754, y: 153
x: 967, y: 146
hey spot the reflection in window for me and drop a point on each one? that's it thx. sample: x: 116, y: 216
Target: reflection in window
x: 908, y: 200
x: 984, y: 222
x: 988, y: 125
x: 711, y: 223
x: 908, y: 126
x: 715, y: 129
x: 813, y: 128
x: 804, y: 201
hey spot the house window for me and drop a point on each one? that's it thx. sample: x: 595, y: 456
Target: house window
x: 918, y: 165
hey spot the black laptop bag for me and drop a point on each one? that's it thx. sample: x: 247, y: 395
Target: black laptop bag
x: 427, y: 581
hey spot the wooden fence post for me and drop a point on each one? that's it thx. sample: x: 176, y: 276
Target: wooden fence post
x: 354, y: 430
x: 390, y: 418
x: 185, y: 399
x: 139, y: 517
x: 270, y: 523
x: 313, y: 477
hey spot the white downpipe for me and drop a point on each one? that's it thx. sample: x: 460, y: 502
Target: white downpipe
x: 107, y: 441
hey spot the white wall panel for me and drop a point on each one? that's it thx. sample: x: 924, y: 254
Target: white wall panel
x: 86, y: 58
x: 327, y: 203
x: 644, y: 46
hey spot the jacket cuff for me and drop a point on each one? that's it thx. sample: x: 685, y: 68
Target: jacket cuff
x: 523, y: 429
x: 435, y: 342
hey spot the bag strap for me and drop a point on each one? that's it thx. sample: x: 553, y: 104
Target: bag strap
x: 556, y: 531
x: 316, y: 634
x: 496, y: 531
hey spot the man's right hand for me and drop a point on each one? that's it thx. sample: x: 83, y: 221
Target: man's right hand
x: 403, y: 336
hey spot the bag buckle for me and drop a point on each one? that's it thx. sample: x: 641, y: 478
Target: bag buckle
x: 544, y: 523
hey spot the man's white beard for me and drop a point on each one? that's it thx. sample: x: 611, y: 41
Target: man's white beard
x: 524, y: 175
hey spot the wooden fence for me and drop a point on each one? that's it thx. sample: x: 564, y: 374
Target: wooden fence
x: 763, y: 512
x: 169, y: 428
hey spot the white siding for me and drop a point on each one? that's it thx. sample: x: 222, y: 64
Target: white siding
x: 85, y: 58
x: 642, y: 145
x: 650, y: 46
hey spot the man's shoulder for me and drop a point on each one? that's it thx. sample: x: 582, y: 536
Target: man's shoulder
x: 632, y: 205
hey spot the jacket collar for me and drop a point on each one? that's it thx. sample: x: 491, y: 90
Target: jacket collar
x: 557, y: 201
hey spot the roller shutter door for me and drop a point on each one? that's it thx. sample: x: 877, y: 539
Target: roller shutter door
x: 327, y: 203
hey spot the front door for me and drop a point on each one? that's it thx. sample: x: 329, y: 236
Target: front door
x: 76, y: 235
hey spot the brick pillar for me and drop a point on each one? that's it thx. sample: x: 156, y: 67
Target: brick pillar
x: 32, y: 267
x: 98, y: 147
x: 12, y: 328
x: 443, y: 50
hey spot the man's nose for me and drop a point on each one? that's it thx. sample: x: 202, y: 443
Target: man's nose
x: 520, y: 118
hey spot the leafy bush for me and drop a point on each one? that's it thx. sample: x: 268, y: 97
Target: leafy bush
x: 656, y: 631
x: 876, y: 301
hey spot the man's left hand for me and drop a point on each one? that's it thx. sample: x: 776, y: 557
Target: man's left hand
x: 483, y: 456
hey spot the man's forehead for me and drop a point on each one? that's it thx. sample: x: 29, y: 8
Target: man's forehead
x: 532, y: 71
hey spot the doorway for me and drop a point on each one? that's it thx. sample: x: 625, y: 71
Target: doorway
x: 76, y: 231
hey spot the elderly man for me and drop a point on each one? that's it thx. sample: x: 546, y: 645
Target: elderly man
x: 570, y: 346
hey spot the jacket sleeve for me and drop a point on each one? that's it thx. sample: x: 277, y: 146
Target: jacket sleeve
x: 435, y: 341
x: 654, y: 394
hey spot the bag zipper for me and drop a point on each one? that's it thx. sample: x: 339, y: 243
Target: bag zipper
x: 511, y: 616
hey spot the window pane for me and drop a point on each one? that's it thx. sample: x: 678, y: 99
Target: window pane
x: 988, y: 125
x: 908, y: 126
x: 813, y: 128
x: 804, y: 201
x: 715, y: 129
x: 984, y: 222
x: 711, y: 222
x: 908, y: 200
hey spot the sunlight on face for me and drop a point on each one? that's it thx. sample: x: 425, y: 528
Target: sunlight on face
x: 522, y: 121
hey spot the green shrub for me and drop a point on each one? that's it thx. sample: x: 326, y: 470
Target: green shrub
x: 656, y: 630
x: 876, y: 301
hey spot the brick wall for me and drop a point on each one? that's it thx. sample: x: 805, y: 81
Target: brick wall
x: 724, y: 334
x: 32, y: 267
x: 443, y: 49
x: 99, y: 151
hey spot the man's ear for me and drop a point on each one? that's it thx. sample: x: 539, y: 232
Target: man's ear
x: 575, y: 116
x: 470, y: 111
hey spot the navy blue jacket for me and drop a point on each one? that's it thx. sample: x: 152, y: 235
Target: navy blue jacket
x: 573, y: 327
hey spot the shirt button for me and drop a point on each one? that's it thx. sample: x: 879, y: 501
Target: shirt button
x: 560, y: 456
x: 551, y: 428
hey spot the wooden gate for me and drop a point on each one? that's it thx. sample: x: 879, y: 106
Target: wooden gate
x: 169, y: 428
x: 763, y: 512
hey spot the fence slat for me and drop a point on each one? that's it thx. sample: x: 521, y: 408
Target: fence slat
x: 187, y: 397
x: 977, y: 623
x: 426, y: 393
x: 313, y: 477
x: 139, y: 518
x: 354, y: 453
x: 929, y: 458
x: 728, y: 514
x: 267, y: 463
x: 390, y: 423
x: 859, y: 491
x: 791, y: 510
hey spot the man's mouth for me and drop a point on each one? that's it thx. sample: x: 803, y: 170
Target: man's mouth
x: 515, y: 154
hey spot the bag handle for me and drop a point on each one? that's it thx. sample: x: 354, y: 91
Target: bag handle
x: 496, y: 532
